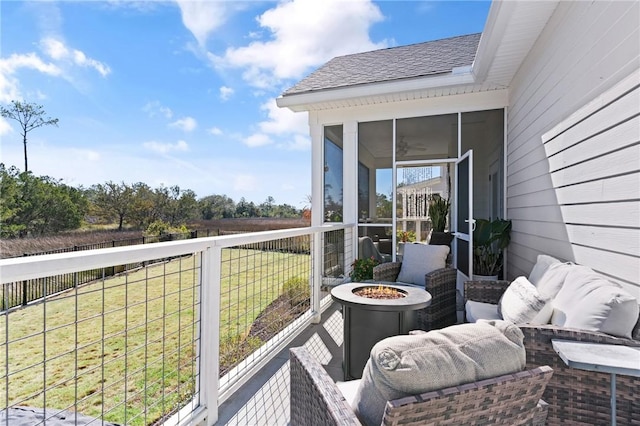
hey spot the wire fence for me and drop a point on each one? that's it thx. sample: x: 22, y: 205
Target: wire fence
x: 22, y: 293
x: 136, y: 348
x: 122, y: 349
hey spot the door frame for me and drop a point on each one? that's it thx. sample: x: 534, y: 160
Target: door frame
x: 458, y: 234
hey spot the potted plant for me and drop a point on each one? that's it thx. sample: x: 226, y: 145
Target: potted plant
x: 362, y: 269
x: 404, y: 237
x: 439, y: 212
x: 490, y: 238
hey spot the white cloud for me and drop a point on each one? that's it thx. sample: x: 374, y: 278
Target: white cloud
x: 245, y: 182
x: 9, y: 84
x: 299, y: 143
x: 164, y: 148
x: 154, y: 108
x: 58, y: 51
x: 60, y: 55
x: 186, y: 124
x: 202, y: 18
x: 305, y: 34
x: 225, y: 92
x: 257, y: 139
x: 290, y: 128
x: 283, y: 120
x: 86, y: 155
x: 5, y: 127
x: 215, y: 131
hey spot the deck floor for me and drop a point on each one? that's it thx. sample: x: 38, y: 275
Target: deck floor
x: 264, y: 400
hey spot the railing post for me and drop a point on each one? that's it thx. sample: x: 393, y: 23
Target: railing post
x: 316, y: 274
x: 210, y: 332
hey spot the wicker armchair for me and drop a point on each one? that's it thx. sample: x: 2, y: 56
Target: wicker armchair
x: 574, y: 396
x: 512, y: 399
x: 441, y: 284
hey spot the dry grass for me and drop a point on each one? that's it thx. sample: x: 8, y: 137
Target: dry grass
x: 20, y: 246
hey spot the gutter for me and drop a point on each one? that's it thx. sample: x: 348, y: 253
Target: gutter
x: 296, y: 102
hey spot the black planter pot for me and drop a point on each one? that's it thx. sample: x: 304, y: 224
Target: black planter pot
x: 441, y: 238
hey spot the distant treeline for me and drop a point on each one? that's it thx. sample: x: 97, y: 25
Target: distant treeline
x: 35, y: 206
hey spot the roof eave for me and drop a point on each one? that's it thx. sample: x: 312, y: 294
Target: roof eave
x: 300, y: 101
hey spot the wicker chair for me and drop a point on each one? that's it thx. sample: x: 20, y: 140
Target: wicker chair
x: 441, y: 284
x: 574, y: 396
x: 512, y: 399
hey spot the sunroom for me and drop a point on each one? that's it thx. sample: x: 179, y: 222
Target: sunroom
x: 401, y: 136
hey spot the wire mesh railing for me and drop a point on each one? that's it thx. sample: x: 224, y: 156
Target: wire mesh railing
x: 122, y: 349
x: 144, y: 346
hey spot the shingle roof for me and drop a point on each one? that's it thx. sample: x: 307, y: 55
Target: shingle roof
x: 395, y: 63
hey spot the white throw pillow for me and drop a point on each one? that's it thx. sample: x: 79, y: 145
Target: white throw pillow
x: 588, y: 301
x: 404, y: 365
x: 552, y: 280
x: 420, y: 259
x: 522, y: 304
x: 543, y: 263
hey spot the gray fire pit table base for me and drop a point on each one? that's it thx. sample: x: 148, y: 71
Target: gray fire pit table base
x: 367, y: 321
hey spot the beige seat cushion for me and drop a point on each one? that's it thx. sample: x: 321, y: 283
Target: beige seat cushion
x: 420, y: 259
x: 481, y: 311
x: 408, y: 365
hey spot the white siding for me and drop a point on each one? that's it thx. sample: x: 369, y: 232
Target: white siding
x: 573, y: 154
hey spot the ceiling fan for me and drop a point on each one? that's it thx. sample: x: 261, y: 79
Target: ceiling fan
x: 404, y: 146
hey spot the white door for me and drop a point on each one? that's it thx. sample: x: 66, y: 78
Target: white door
x: 463, y: 218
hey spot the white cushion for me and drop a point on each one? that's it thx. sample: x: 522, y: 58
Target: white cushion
x: 542, y: 264
x: 552, y: 280
x: 589, y: 301
x: 420, y: 259
x: 522, y: 304
x: 349, y: 390
x: 481, y: 311
x: 400, y: 366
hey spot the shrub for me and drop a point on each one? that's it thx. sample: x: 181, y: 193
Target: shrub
x: 363, y: 269
x: 235, y: 348
x: 406, y: 236
x: 160, y: 228
x: 297, y: 290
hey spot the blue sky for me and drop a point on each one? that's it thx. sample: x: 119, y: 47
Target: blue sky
x: 183, y: 93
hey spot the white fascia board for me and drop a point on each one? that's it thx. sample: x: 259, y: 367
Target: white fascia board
x: 497, y: 20
x: 298, y: 102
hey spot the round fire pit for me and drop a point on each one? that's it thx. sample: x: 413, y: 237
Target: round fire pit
x: 372, y: 312
x: 380, y: 292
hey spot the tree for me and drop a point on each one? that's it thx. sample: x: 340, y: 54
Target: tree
x: 266, y: 208
x: 113, y: 201
x: 143, y: 210
x: 181, y: 206
x: 384, y: 206
x: 245, y: 209
x: 216, y: 207
x: 31, y: 205
x: 30, y: 116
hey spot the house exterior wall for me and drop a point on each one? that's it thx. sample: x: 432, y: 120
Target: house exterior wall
x: 573, y: 153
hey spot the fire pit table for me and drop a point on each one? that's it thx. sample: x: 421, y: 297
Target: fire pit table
x: 367, y: 319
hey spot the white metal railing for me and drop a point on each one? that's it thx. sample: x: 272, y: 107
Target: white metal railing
x: 145, y: 345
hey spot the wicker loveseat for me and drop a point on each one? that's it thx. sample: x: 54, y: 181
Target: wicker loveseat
x: 512, y: 399
x: 574, y: 396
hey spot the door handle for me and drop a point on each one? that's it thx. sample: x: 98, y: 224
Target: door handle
x: 473, y: 223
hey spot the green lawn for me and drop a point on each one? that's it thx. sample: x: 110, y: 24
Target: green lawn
x: 105, y: 342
